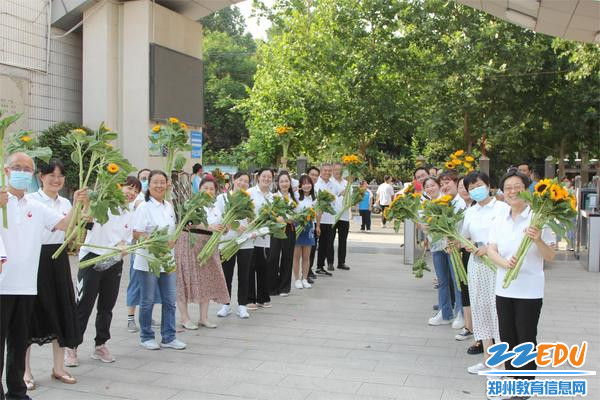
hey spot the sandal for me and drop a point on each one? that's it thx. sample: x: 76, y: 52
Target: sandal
x: 67, y: 378
x: 30, y: 383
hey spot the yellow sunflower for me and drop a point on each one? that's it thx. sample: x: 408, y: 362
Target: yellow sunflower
x: 459, y: 153
x: 557, y: 193
x: 79, y: 131
x: 467, y: 165
x: 542, y: 186
x: 112, y: 168
x: 350, y: 159
x: 156, y: 128
x: 173, y: 120
x: 449, y: 165
x: 469, y: 159
x: 26, y: 139
x: 456, y: 162
x: 573, y: 202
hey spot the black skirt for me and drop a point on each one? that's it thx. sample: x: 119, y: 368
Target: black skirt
x: 55, y: 312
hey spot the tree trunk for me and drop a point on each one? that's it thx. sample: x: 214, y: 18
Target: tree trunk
x: 561, y: 160
x: 466, y: 133
x: 585, y: 166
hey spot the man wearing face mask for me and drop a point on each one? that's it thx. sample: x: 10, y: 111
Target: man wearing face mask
x: 26, y: 222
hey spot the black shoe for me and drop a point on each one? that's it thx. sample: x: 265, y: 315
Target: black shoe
x: 477, y: 348
x: 321, y: 271
x: 436, y: 307
x: 311, y: 274
x: 309, y: 280
x: 330, y: 267
x: 344, y: 267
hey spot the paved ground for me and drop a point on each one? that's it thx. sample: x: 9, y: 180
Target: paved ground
x: 361, y: 334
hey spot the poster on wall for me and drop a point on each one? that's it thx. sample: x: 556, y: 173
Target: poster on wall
x: 196, y: 141
x: 155, y: 149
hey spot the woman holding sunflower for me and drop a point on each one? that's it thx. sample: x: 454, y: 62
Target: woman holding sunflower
x: 519, y: 305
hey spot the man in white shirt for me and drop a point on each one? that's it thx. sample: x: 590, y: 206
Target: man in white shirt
x: 384, y: 197
x: 324, y: 227
x: 27, y: 220
x: 314, y: 173
x: 342, y: 227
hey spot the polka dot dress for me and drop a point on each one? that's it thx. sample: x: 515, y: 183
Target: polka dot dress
x: 482, y: 294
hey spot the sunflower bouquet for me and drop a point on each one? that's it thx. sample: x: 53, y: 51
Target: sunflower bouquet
x: 461, y: 162
x: 303, y: 218
x: 284, y: 134
x: 220, y: 177
x: 94, y: 155
x: 324, y: 203
x: 173, y: 137
x: 267, y: 221
x: 158, y: 242
x: 354, y: 165
x: 552, y: 206
x: 404, y: 206
x: 4, y: 124
x: 419, y: 266
x: 442, y: 222
x: 238, y: 206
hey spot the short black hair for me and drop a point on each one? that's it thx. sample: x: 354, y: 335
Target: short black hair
x: 261, y: 170
x: 449, y: 174
x: 134, y: 182
x: 142, y: 170
x: 417, y: 170
x: 431, y: 178
x: 196, y: 167
x: 50, y: 166
x: 152, y: 173
x: 315, y: 168
x: 510, y: 174
x: 472, y: 177
x: 241, y: 173
x: 386, y: 178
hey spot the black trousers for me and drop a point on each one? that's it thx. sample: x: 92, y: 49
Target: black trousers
x: 366, y: 219
x: 104, y: 285
x: 383, y: 220
x: 325, y: 246
x: 15, y: 315
x: 464, y: 288
x: 282, y: 259
x: 342, y: 228
x: 258, y: 291
x: 244, y: 258
x: 517, y: 322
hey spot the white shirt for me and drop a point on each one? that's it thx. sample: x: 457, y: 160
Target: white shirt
x: 333, y: 188
x: 507, y: 235
x: 231, y: 234
x: 295, y: 184
x: 61, y: 205
x: 213, y: 215
x: 305, y: 203
x: 479, y: 220
x: 340, y: 200
x: 116, y: 230
x: 385, y: 192
x: 259, y: 198
x: 27, y: 220
x: 148, y: 216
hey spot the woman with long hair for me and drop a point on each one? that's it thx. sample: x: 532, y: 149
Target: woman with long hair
x: 199, y: 284
x: 306, y: 240
x: 241, y: 181
x: 54, y: 318
x: 282, y: 250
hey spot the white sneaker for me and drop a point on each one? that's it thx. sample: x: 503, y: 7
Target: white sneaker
x: 242, y: 312
x: 224, y: 311
x: 459, y: 322
x: 174, y: 344
x: 298, y: 284
x: 150, y: 345
x: 284, y: 294
x: 438, y: 319
x: 474, y: 369
x: 305, y: 284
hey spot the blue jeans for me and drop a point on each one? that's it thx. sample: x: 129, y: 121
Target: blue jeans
x: 166, y: 284
x: 443, y: 270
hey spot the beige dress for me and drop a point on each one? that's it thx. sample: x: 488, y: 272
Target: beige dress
x: 198, y: 284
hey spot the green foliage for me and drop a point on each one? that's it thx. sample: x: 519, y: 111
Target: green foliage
x: 27, y: 142
x: 51, y: 138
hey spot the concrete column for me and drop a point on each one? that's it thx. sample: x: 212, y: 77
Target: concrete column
x: 301, y: 165
x: 484, y: 164
x: 100, y: 66
x: 549, y: 168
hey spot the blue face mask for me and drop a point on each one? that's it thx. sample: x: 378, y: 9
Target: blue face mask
x: 479, y: 193
x: 20, y: 180
x: 144, y: 186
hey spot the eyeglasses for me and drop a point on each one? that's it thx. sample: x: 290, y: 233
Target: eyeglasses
x: 516, y: 188
x: 21, y: 169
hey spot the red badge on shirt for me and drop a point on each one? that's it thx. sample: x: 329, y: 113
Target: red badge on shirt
x: 29, y: 214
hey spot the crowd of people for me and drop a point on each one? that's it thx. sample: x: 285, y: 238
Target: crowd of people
x: 40, y: 304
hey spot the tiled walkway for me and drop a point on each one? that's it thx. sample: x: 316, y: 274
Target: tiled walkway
x: 361, y: 334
